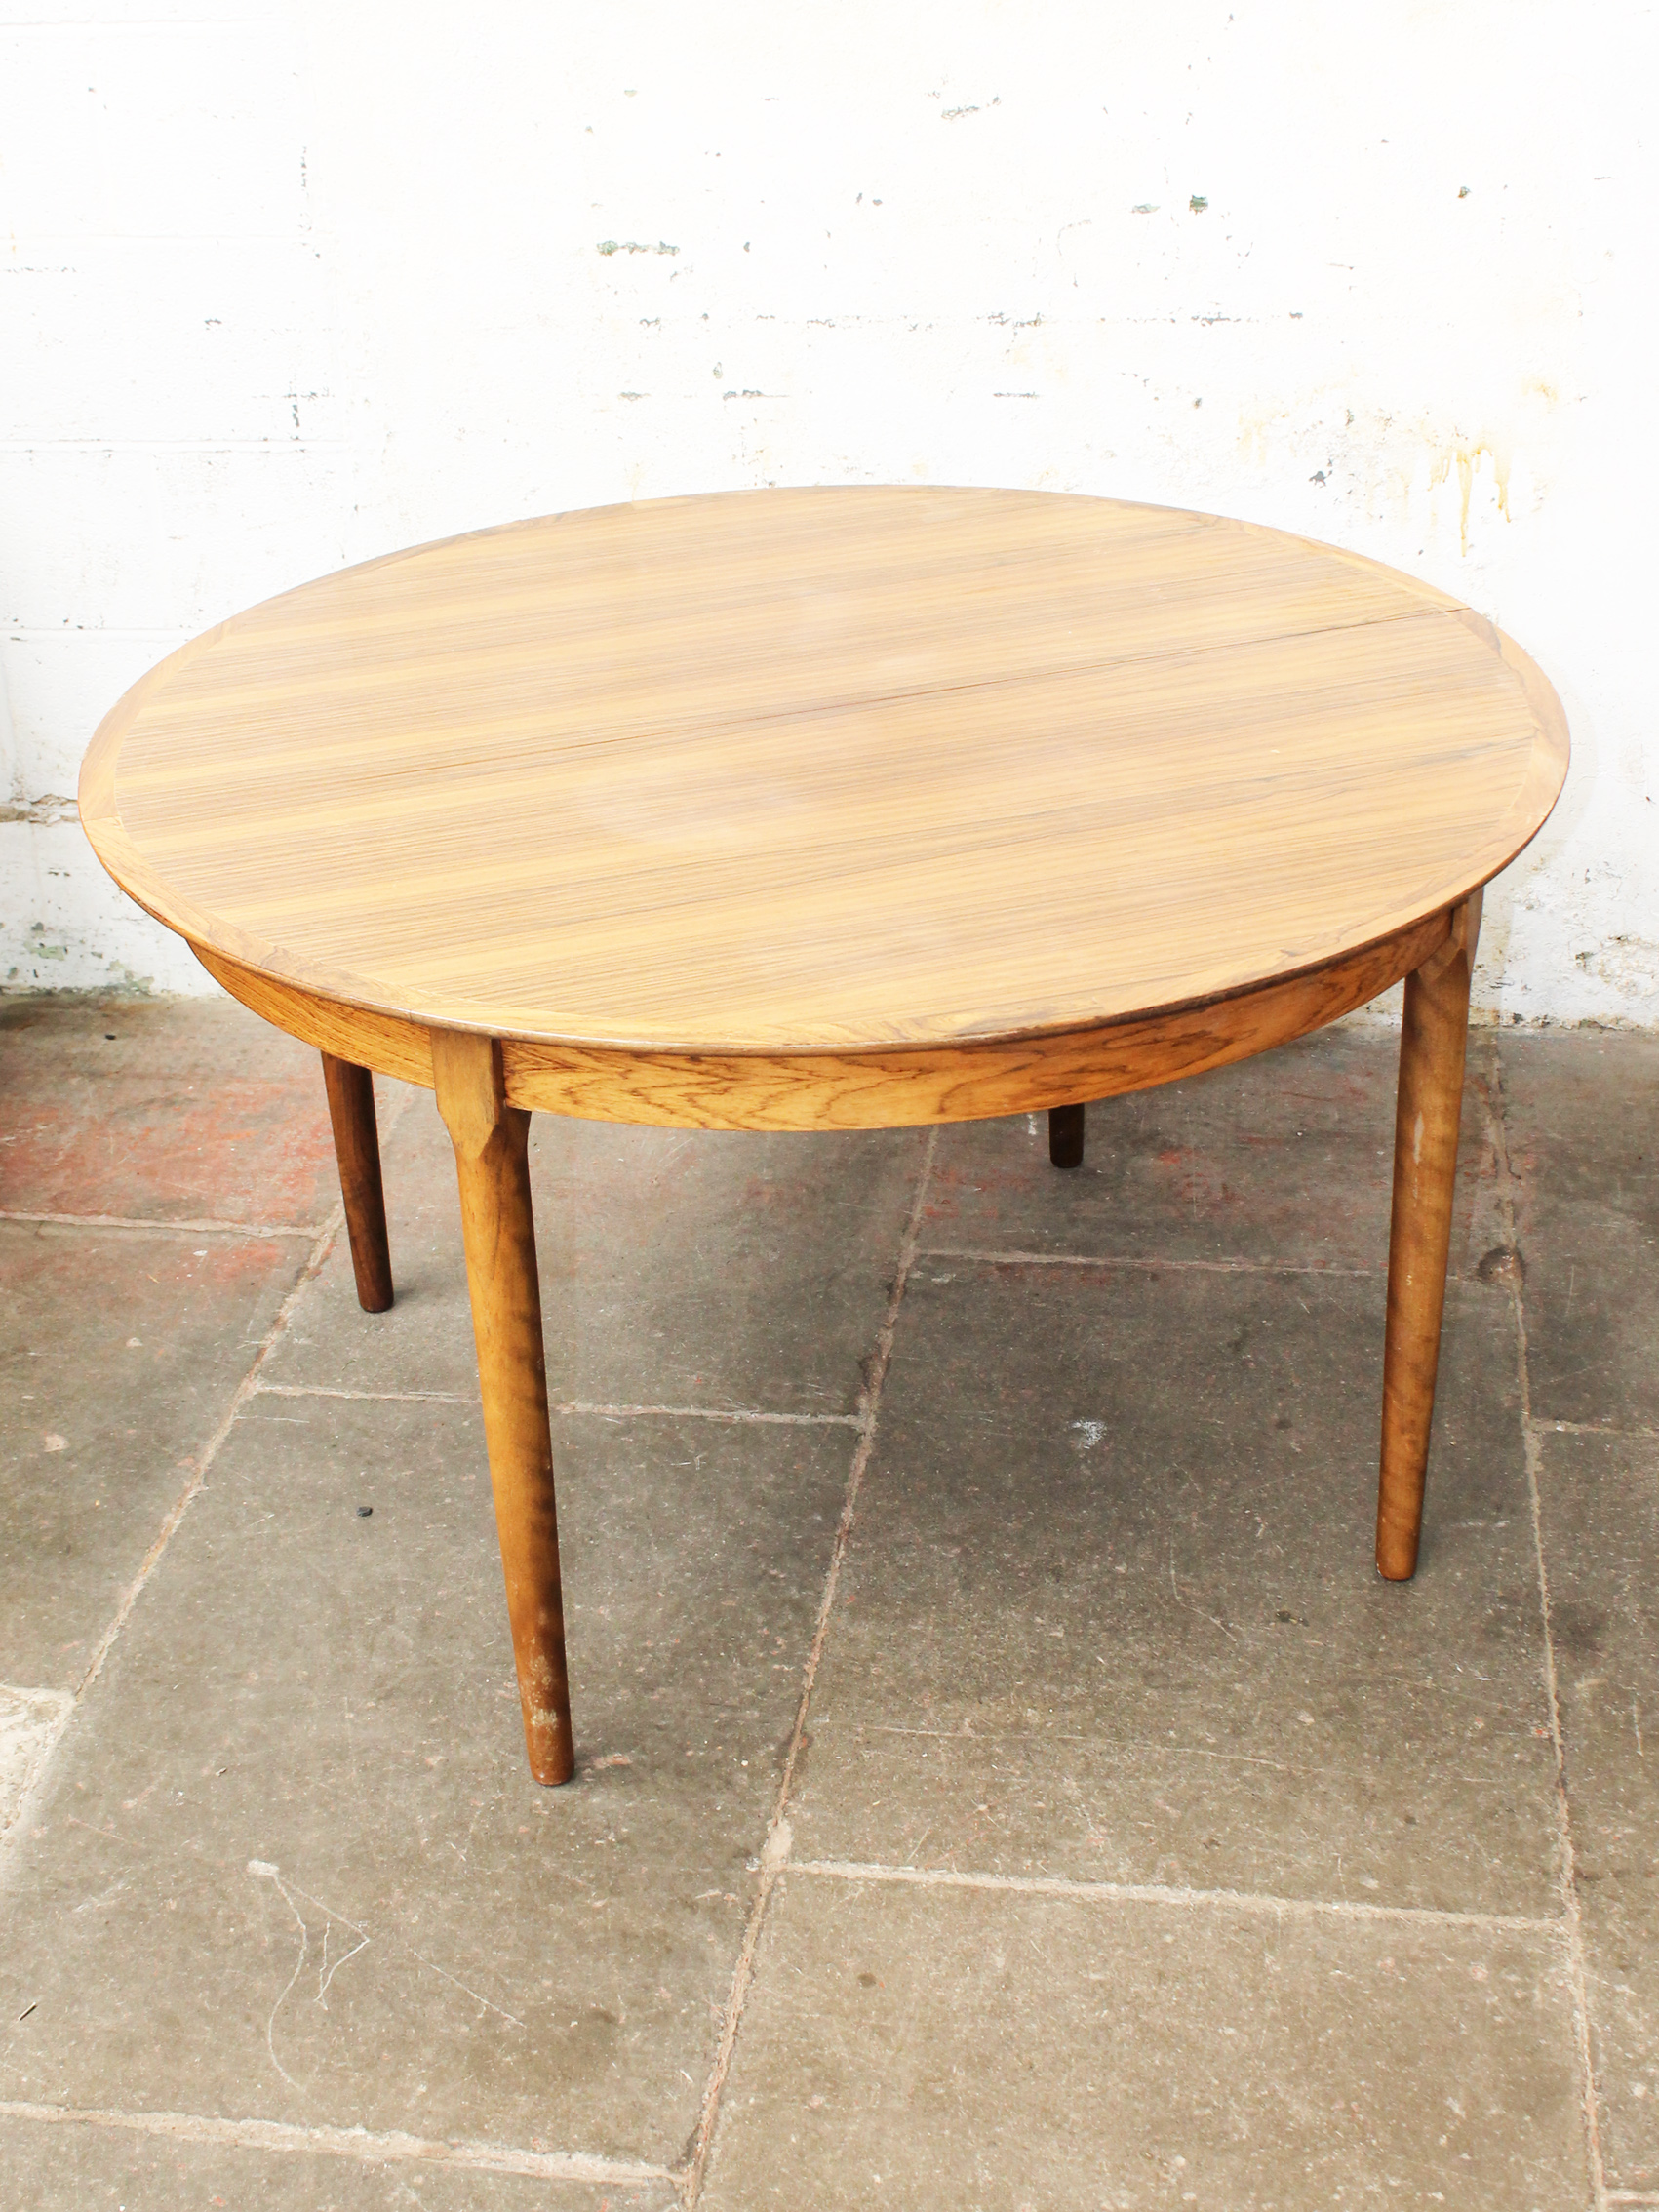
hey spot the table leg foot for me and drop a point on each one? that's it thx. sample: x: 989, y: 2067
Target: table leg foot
x: 1431, y: 1048
x: 1065, y: 1136
x: 357, y: 1149
x: 491, y: 1141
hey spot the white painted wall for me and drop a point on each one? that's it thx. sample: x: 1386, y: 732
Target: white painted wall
x: 289, y: 286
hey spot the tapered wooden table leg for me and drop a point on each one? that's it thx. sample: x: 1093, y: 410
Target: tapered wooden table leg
x: 1065, y: 1136
x: 491, y: 1163
x: 357, y: 1149
x: 1431, y: 1048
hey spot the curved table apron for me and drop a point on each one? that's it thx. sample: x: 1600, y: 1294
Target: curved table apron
x: 831, y: 810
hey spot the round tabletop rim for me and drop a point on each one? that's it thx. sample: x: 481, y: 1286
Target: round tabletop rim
x: 1538, y: 793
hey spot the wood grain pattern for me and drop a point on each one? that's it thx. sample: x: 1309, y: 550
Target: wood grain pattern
x: 862, y: 1090
x: 824, y: 772
x: 401, y: 1048
x: 357, y: 1150
x: 492, y: 1170
x: 1433, y: 1043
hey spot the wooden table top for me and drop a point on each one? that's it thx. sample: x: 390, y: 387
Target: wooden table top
x: 817, y: 770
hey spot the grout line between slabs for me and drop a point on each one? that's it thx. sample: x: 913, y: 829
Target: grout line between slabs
x: 775, y: 1855
x: 1160, y: 1893
x: 740, y: 1413
x: 1595, y: 1429
x: 198, y: 1466
x: 363, y: 2144
x: 368, y: 1397
x: 1532, y: 1449
x: 167, y: 445
x: 169, y: 1227
x: 1150, y: 1266
x: 859, y: 1422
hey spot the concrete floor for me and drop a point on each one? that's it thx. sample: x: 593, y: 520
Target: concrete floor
x: 1005, y: 1781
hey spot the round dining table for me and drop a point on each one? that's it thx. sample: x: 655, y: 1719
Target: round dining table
x: 831, y: 809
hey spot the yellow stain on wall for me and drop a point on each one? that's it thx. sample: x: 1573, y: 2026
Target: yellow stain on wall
x: 1466, y: 459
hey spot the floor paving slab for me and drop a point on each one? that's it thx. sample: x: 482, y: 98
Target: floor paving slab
x: 1582, y: 1115
x: 1285, y: 1160
x: 1108, y: 1610
x: 908, y: 2046
x: 156, y: 1109
x: 59, y: 2164
x: 294, y: 1868
x: 1599, y: 1498
x: 678, y: 1267
x: 120, y: 1351
x: 1108, y: 1616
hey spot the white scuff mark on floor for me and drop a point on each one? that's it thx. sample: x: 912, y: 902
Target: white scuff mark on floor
x: 466, y: 1989
x: 32, y: 1720
x: 263, y: 1870
x: 1085, y: 1434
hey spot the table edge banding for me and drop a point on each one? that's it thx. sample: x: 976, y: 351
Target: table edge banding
x: 895, y: 1087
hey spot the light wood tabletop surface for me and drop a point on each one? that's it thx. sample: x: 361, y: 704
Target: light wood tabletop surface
x: 823, y: 770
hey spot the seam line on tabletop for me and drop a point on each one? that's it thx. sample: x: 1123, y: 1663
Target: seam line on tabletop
x: 168, y: 1226
x: 372, y: 2147
x: 197, y: 1467
x: 863, y: 702
x: 1532, y: 1444
x: 775, y: 1855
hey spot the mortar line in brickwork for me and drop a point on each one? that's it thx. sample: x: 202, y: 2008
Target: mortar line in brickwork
x: 391, y: 2148
x: 168, y: 1227
x: 89, y: 630
x: 738, y: 1414
x: 1085, y: 1892
x: 284, y: 445
x: 1149, y: 1265
x: 1531, y: 1430
x: 775, y: 1855
x: 197, y: 1467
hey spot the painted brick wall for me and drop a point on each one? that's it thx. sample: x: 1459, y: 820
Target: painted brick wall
x: 285, y: 288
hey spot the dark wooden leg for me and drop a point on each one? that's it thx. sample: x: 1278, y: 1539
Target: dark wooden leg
x: 1065, y: 1136
x: 357, y: 1148
x: 1432, y: 1047
x: 491, y: 1163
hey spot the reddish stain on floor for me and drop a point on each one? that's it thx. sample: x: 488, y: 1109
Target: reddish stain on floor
x: 243, y: 1148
